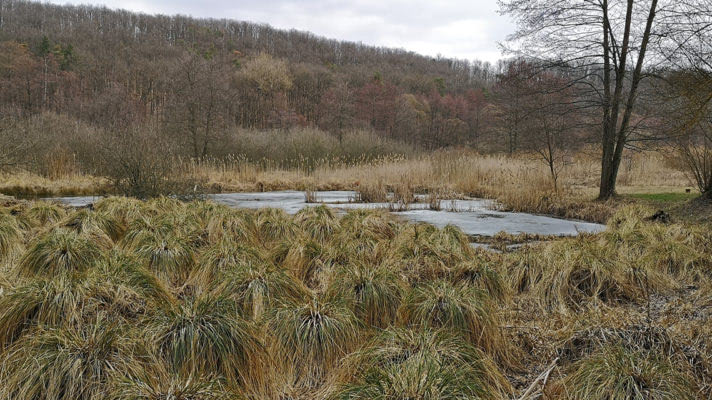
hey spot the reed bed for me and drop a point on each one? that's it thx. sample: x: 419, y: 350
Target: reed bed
x: 163, y: 299
x: 519, y: 182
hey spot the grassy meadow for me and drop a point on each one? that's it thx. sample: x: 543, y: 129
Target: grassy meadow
x: 163, y: 299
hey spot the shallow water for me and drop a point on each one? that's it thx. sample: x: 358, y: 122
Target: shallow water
x: 473, y: 216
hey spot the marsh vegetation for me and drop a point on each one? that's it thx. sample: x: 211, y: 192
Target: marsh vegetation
x: 163, y: 299
x: 601, y: 114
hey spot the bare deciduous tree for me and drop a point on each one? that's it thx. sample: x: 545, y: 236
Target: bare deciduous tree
x: 16, y: 144
x: 611, y: 45
x: 199, y: 109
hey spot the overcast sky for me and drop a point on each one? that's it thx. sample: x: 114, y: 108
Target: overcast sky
x: 466, y: 29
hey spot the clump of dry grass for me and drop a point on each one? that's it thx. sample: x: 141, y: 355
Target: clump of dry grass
x: 624, y: 264
x: 41, y: 213
x: 223, y: 303
x: 65, y: 363
x: 171, y: 257
x: 255, y: 289
x: 618, y: 373
x: 460, y: 308
x: 319, y: 223
x: 271, y: 225
x: 60, y: 252
x: 309, y: 338
x: 481, y: 274
x: 206, y: 336
x: 223, y: 257
x: 308, y: 261
x: 374, y: 294
x: 420, y: 364
x: 10, y: 236
x: 228, y: 224
x: 91, y: 223
x: 122, y: 209
x: 423, y: 252
x: 44, y: 302
x: 155, y: 380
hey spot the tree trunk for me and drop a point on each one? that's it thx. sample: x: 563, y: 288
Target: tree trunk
x: 607, y: 187
x: 615, y: 137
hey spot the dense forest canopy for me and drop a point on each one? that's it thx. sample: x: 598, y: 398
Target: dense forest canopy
x: 109, y: 67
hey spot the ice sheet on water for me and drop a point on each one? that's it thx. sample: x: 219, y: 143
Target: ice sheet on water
x: 472, y: 216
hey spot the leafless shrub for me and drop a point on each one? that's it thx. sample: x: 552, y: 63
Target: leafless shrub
x: 140, y: 163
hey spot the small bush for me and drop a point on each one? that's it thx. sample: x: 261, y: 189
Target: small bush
x: 141, y: 163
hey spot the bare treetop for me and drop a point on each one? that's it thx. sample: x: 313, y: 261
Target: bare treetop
x: 611, y: 46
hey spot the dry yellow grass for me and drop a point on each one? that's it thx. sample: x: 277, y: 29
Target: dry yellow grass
x: 165, y: 299
x: 462, y: 172
x: 520, y: 182
x: 33, y: 185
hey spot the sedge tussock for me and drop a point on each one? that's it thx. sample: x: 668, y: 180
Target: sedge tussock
x: 65, y: 363
x: 318, y: 223
x: 256, y: 288
x: 120, y: 286
x: 272, y: 225
x: 482, y: 275
x: 117, y: 286
x: 207, y: 336
x: 10, y: 236
x: 60, y: 251
x: 309, y: 338
x: 369, y: 225
x: 615, y: 373
x: 228, y: 224
x: 425, y: 252
x: 155, y: 381
x: 164, y: 205
x: 144, y: 226
x: 41, y: 213
x: 123, y: 209
x: 374, y: 294
x: 309, y: 261
x: 92, y: 223
x: 466, y: 310
x: 420, y: 364
x: 222, y: 257
x: 171, y: 257
x: 48, y: 302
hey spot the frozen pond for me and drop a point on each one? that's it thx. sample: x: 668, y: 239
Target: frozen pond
x: 473, y: 216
